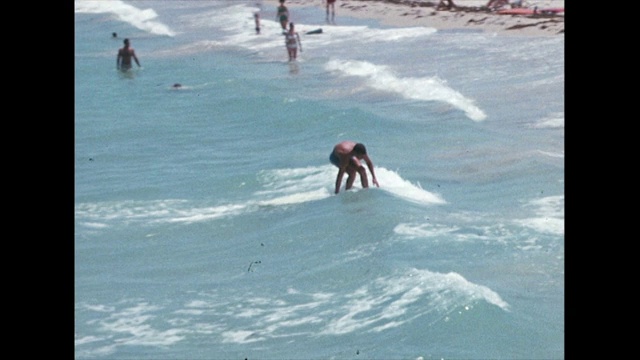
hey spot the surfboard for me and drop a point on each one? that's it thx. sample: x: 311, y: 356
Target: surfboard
x: 527, y: 11
x: 316, y: 31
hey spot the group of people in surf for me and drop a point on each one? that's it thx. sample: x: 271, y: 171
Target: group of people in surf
x: 291, y: 37
x: 348, y: 156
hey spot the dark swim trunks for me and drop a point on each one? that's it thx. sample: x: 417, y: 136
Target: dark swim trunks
x: 334, y: 159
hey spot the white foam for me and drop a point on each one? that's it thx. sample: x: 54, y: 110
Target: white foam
x: 552, y: 154
x: 387, y: 299
x: 132, y: 327
x: 240, y: 337
x: 281, y: 187
x: 393, y: 183
x: 86, y: 340
x: 141, y: 19
x: 426, y: 230
x: 549, y: 215
x: 386, y: 302
x: 205, y: 214
x: 297, y: 198
x: 98, y: 308
x: 554, y: 120
x: 315, y: 183
x: 381, y: 77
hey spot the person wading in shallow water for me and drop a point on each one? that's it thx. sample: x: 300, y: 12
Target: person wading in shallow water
x: 123, y: 61
x: 332, y: 4
x: 346, y: 156
x: 292, y: 42
x: 283, y: 16
x: 256, y: 18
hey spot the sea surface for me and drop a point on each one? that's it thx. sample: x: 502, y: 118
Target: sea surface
x: 206, y: 226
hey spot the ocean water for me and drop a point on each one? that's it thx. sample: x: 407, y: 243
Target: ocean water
x: 205, y: 221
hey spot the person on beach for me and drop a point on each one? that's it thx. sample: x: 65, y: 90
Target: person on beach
x: 123, y: 61
x: 332, y: 4
x: 292, y: 42
x: 283, y: 16
x: 256, y: 17
x: 449, y: 5
x: 347, y: 156
x: 492, y: 4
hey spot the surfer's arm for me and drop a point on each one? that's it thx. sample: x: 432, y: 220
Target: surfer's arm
x: 370, y: 166
x: 339, y: 180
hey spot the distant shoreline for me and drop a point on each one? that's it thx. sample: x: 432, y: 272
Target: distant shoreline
x: 469, y: 15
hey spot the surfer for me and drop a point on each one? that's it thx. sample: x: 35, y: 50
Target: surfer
x: 292, y: 41
x: 346, y: 156
x: 123, y: 61
x: 283, y: 16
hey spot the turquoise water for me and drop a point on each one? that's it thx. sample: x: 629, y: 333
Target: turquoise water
x: 205, y: 221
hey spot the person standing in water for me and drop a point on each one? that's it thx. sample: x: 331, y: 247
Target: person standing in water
x: 346, y: 156
x: 256, y: 17
x: 292, y: 42
x: 283, y: 16
x: 123, y: 61
x: 332, y: 4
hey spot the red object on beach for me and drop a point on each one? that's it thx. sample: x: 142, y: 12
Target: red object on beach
x: 528, y: 11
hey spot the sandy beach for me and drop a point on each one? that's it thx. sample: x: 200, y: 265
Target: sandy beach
x: 468, y: 14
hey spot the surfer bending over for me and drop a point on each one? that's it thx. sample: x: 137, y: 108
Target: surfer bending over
x: 346, y: 156
x: 123, y: 61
